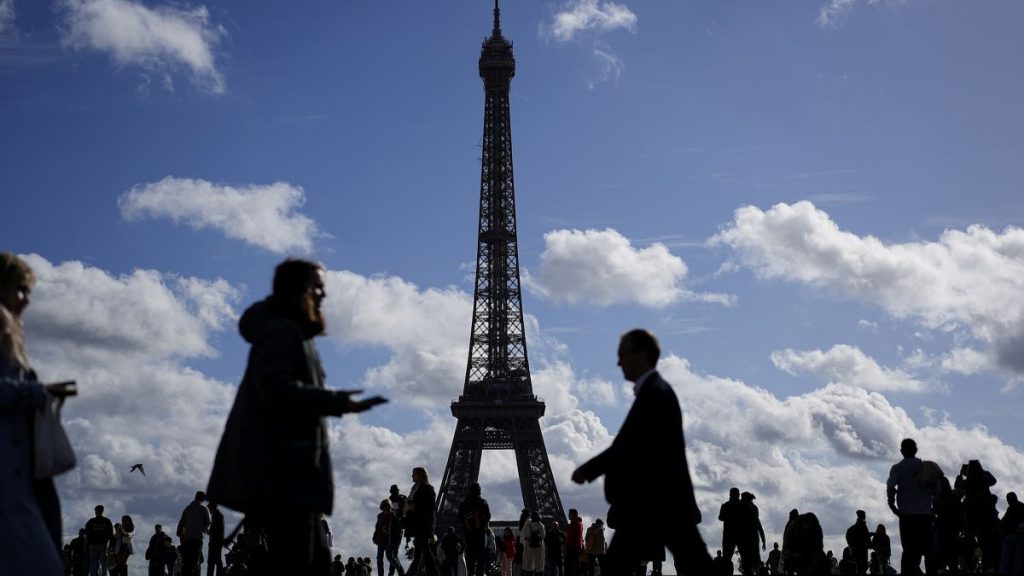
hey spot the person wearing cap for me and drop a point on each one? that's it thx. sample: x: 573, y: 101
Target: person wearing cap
x: 752, y: 532
x: 647, y: 457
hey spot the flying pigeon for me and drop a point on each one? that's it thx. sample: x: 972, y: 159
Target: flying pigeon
x: 139, y: 468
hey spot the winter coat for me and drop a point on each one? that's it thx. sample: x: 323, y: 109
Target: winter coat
x: 533, y: 557
x: 29, y: 509
x: 274, y: 451
x: 422, y: 512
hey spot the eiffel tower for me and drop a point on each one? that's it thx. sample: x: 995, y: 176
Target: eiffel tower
x: 497, y: 409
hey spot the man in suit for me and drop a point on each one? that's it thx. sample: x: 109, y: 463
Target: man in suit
x: 648, y: 457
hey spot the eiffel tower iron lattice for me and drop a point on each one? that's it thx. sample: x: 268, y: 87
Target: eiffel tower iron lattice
x: 497, y: 409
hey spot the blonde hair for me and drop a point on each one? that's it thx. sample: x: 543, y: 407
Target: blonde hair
x: 13, y: 272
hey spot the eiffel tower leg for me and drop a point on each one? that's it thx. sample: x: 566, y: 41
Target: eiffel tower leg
x: 540, y: 493
x: 463, y: 469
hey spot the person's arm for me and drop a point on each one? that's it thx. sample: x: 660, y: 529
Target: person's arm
x: 18, y: 395
x: 275, y: 361
x: 890, y: 490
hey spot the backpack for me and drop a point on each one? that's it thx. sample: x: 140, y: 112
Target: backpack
x: 534, y: 538
x: 382, y: 529
x: 473, y: 519
x: 928, y: 474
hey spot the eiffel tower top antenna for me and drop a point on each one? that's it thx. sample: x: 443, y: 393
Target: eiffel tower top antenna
x: 497, y: 19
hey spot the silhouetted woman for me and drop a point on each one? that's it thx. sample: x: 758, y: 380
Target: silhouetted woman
x: 30, y: 530
x: 421, y: 513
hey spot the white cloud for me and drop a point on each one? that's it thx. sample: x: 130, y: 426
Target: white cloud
x: 262, y: 215
x: 6, y: 17
x: 426, y: 331
x: 610, y: 64
x: 601, y: 267
x: 968, y: 281
x: 158, y: 39
x: 803, y: 450
x: 845, y: 364
x: 578, y: 15
x: 966, y: 361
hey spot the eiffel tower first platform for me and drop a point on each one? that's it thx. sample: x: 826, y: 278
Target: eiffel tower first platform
x: 497, y: 409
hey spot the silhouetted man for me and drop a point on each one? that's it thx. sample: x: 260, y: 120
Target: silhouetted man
x: 79, y: 554
x: 98, y: 532
x: 475, y: 514
x: 193, y: 525
x: 730, y: 514
x: 573, y: 543
x: 912, y: 503
x: 858, y: 537
x: 155, y: 553
x: 274, y: 462
x: 648, y: 457
x: 214, y: 560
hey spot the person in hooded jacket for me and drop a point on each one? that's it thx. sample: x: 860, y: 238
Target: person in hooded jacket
x: 273, y: 463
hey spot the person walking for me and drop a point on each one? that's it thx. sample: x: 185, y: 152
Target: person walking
x: 30, y: 521
x: 648, y: 456
x: 382, y: 537
x: 421, y: 514
x: 273, y: 463
x: 192, y: 527
x: 99, y: 531
x: 475, y: 515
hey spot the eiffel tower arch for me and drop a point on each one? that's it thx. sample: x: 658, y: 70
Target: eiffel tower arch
x: 498, y: 409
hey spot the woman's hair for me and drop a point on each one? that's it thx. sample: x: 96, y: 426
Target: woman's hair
x: 293, y: 281
x: 422, y: 473
x: 385, y: 505
x: 13, y: 272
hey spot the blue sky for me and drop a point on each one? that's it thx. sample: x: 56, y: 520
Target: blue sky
x: 815, y: 204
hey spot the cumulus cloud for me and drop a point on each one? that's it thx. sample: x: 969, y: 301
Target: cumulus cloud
x: 849, y: 365
x: 578, y: 15
x: 968, y: 280
x: 261, y: 215
x: 161, y: 39
x: 601, y: 267
x: 803, y: 450
x: 426, y: 331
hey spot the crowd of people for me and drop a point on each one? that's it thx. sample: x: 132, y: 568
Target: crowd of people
x: 277, y: 423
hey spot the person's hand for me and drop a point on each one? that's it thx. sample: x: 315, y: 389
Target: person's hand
x: 356, y: 406
x: 578, y: 477
x: 763, y: 546
x: 62, y: 389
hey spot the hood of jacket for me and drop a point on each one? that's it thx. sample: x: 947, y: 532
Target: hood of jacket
x: 254, y: 321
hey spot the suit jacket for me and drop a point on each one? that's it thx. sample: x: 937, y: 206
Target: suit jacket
x: 646, y: 465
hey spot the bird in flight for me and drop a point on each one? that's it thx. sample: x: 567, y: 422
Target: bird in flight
x: 139, y: 468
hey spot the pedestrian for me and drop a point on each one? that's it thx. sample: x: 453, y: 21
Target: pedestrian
x: 573, y: 543
x: 382, y: 539
x: 31, y: 519
x: 421, y: 512
x: 647, y: 457
x: 214, y: 553
x: 858, y: 538
x: 474, y: 515
x: 99, y: 531
x: 532, y: 537
x: 155, y: 553
x: 554, y: 543
x: 910, y: 499
x: 274, y: 463
x: 192, y: 527
x: 507, y: 551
